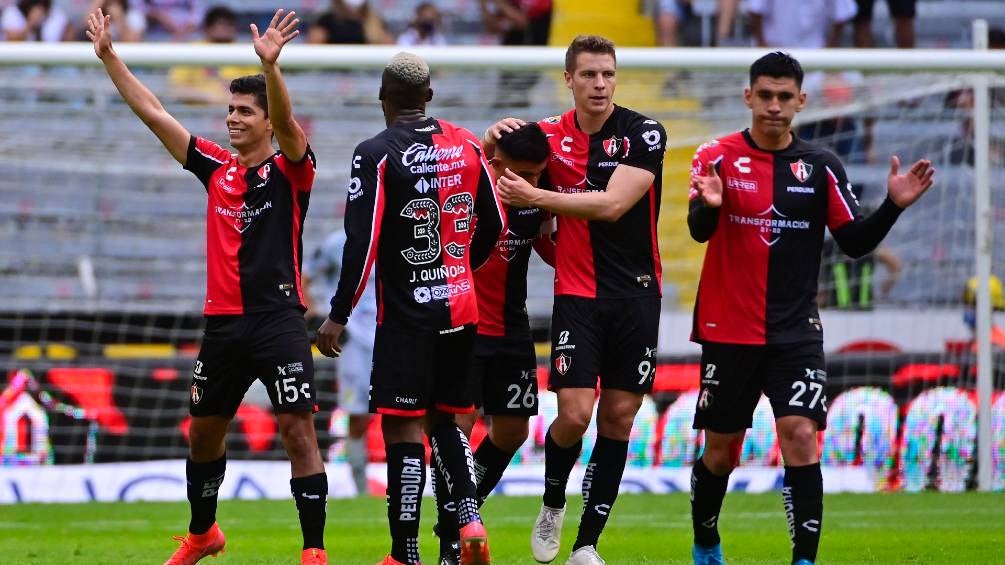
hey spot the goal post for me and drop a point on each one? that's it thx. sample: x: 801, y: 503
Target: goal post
x: 101, y: 283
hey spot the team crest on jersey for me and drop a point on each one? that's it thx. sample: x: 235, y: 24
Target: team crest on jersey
x: 563, y: 363
x: 196, y: 394
x: 263, y: 171
x: 801, y: 170
x: 612, y: 146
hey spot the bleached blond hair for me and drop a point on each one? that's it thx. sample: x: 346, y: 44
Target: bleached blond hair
x: 408, y: 69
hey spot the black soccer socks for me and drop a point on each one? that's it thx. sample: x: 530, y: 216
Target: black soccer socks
x: 311, y: 495
x: 446, y: 512
x: 707, y: 492
x: 558, y: 463
x: 204, y: 480
x: 803, y: 498
x: 406, y: 479
x: 452, y: 454
x: 490, y: 463
x: 600, y: 488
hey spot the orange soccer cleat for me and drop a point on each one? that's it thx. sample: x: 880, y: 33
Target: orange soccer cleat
x: 314, y: 556
x: 388, y: 560
x: 474, y: 545
x: 196, y: 546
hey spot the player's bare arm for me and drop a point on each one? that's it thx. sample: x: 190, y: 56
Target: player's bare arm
x: 141, y: 101
x: 268, y: 45
x: 906, y: 188
x: 627, y: 186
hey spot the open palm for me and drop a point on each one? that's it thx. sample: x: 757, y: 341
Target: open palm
x: 98, y: 32
x: 281, y: 30
x: 905, y: 189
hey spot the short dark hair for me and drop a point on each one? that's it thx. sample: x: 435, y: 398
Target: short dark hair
x: 777, y: 65
x: 254, y: 85
x: 587, y: 44
x: 218, y: 14
x: 527, y: 144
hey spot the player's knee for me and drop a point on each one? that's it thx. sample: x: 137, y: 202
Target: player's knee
x: 802, y: 435
x: 719, y: 461
x: 575, y: 421
x: 510, y: 437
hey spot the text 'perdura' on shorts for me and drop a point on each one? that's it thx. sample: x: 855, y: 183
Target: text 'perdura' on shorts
x: 413, y: 372
x: 610, y: 338
x: 792, y: 376
x: 272, y: 347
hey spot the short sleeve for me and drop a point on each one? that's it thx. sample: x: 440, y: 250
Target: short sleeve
x: 204, y: 158
x: 300, y: 173
x: 647, y: 142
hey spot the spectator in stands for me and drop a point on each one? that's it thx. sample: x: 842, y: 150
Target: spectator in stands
x: 970, y: 309
x: 209, y: 85
x: 173, y: 19
x: 901, y: 11
x: 961, y: 149
x: 35, y: 20
x: 799, y: 23
x: 425, y: 28
x: 220, y: 25
x: 519, y: 22
x: 349, y: 22
x: 127, y: 24
x: 670, y: 14
x: 724, y: 20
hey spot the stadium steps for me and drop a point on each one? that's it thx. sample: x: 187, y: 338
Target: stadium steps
x: 610, y: 19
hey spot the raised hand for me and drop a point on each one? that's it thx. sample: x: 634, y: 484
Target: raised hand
x: 281, y: 30
x: 99, y: 33
x: 905, y: 189
x: 709, y: 187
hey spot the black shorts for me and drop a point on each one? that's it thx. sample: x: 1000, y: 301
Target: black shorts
x: 613, y: 339
x: 272, y: 347
x: 793, y: 377
x: 898, y: 9
x: 413, y: 372
x: 504, y: 376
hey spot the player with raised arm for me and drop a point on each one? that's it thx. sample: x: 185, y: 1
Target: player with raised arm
x: 504, y: 373
x: 605, y: 184
x: 422, y: 206
x: 254, y: 304
x: 761, y: 198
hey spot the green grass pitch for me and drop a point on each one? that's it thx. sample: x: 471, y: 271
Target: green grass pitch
x: 880, y: 528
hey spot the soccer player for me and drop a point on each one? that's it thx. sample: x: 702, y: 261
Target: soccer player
x: 415, y: 193
x: 504, y: 371
x: 605, y: 179
x: 254, y: 305
x: 761, y: 198
x: 354, y: 363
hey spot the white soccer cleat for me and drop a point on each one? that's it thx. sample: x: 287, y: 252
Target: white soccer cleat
x: 546, y: 538
x: 586, y: 555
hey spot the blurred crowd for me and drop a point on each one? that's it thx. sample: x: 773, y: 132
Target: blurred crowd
x: 786, y: 23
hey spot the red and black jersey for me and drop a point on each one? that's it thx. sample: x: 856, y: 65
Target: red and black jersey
x: 597, y: 259
x: 415, y: 191
x: 501, y: 283
x: 759, y: 280
x: 254, y: 227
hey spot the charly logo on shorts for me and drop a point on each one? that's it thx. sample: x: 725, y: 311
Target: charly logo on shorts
x: 563, y: 363
x: 196, y: 394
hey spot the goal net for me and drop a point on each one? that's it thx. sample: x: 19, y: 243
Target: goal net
x: 102, y: 271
